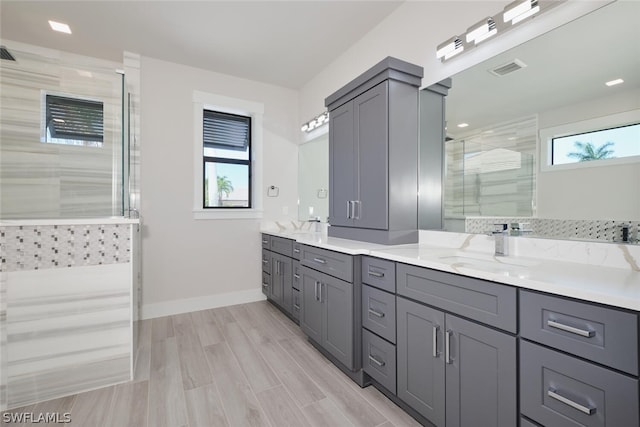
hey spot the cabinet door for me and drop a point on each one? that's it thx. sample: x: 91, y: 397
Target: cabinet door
x: 277, y: 282
x: 337, y: 323
x: 372, y: 142
x: 481, y: 376
x: 342, y: 165
x: 311, y: 308
x: 420, y: 377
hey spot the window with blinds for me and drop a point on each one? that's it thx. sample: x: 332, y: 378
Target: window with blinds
x: 227, y: 159
x: 74, y: 121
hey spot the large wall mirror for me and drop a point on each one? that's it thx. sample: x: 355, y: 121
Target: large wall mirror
x: 536, y: 132
x: 313, y: 177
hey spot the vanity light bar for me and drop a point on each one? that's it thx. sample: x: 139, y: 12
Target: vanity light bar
x: 315, y: 122
x: 512, y: 14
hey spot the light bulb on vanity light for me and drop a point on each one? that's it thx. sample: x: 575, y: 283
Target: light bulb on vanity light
x: 449, y: 49
x: 481, y: 31
x: 520, y: 10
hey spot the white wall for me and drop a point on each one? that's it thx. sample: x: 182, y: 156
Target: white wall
x: 204, y: 263
x: 412, y: 33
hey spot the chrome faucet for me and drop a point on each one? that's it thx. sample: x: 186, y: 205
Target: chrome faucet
x: 501, y: 236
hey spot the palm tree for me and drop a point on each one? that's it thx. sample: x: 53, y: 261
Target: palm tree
x: 587, y: 152
x: 224, y: 187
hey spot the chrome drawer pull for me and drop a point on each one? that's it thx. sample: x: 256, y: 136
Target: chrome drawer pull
x: 320, y: 261
x: 376, y: 313
x: 584, y: 409
x: 376, y: 361
x: 265, y: 285
x: 265, y: 242
x: 447, y: 347
x: 567, y: 328
x: 265, y: 261
x: 296, y: 250
x: 375, y: 274
x: 436, y: 328
x: 297, y: 276
x: 296, y: 307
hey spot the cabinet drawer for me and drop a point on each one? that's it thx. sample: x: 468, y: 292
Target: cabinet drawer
x: 379, y: 273
x: 486, y: 302
x: 332, y: 263
x: 379, y: 360
x: 266, y: 283
x: 526, y: 423
x: 379, y: 312
x: 295, y: 305
x: 281, y: 245
x: 604, y: 335
x: 266, y: 241
x: 296, y: 250
x: 296, y: 275
x: 560, y: 390
x: 266, y: 261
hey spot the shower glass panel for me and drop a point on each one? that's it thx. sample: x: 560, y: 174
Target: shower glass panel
x: 62, y: 142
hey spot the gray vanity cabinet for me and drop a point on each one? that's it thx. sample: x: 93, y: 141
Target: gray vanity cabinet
x: 281, y: 280
x: 278, y: 272
x: 455, y: 372
x: 326, y: 314
x: 373, y: 147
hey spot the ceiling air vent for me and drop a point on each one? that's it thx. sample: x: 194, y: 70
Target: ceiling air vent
x: 508, y: 68
x: 5, y: 54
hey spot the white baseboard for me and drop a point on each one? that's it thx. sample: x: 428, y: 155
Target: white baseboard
x: 187, y: 305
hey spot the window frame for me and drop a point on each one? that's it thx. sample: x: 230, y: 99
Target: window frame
x: 228, y: 105
x: 226, y: 160
x: 612, y: 121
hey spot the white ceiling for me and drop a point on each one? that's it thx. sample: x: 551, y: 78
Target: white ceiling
x: 285, y: 43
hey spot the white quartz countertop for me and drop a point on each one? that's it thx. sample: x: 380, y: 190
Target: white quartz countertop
x: 617, y: 285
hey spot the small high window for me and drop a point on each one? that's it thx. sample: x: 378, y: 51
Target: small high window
x: 73, y: 121
x: 226, y: 160
x: 616, y: 142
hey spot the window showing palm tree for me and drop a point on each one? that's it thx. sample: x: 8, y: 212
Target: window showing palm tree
x: 587, y: 151
x: 225, y: 187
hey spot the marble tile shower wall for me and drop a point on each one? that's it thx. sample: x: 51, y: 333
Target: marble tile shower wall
x: 602, y: 230
x: 45, y: 180
x: 59, y: 246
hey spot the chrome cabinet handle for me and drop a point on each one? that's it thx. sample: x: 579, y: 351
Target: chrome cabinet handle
x: 359, y: 204
x: 320, y: 261
x: 447, y: 347
x: 265, y: 261
x: 321, y: 285
x: 348, y: 209
x: 376, y: 313
x: 553, y: 393
x: 376, y: 361
x: 296, y: 250
x: 435, y: 331
x: 265, y: 285
x: 296, y: 276
x: 265, y: 241
x: 316, y: 290
x: 571, y: 329
x: 375, y: 273
x: 296, y: 307
x: 277, y: 267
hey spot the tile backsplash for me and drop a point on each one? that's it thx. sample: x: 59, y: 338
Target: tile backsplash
x: 37, y: 247
x: 598, y: 230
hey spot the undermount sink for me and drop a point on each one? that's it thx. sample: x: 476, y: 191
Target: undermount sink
x: 497, y: 264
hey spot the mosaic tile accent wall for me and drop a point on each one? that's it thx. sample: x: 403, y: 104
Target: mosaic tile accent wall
x: 601, y: 230
x: 57, y: 246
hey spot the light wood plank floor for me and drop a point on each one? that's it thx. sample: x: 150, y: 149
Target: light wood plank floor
x: 245, y: 365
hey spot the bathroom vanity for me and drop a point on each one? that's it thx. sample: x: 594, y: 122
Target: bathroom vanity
x: 452, y: 333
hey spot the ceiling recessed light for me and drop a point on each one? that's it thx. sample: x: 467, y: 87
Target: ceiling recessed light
x: 614, y: 82
x: 60, y: 27
x: 463, y: 125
